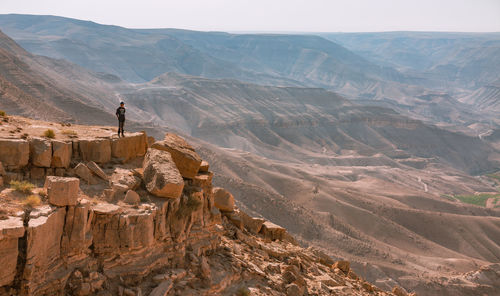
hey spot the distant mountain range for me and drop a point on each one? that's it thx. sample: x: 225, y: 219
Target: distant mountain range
x: 441, y: 74
x: 464, y: 60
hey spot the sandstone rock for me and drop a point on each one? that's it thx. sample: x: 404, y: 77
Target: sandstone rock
x: 37, y: 173
x: 62, y: 191
x: 59, y: 172
x: 250, y: 223
x: 272, y: 231
x: 205, y: 268
x: 40, y: 152
x: 294, y: 290
x: 204, y: 167
x: 96, y: 169
x: 151, y: 141
x: 1, y: 181
x: 11, y: 230
x: 161, y: 176
x: 125, y: 177
x: 82, y: 171
x: 129, y: 147
x: 61, y: 154
x: 224, y: 200
x: 14, y: 153
x: 399, y: 291
x: 42, y: 246
x: 162, y: 289
x: 132, y: 197
x: 2, y: 170
x: 98, y: 150
x: 186, y: 159
x: 343, y: 265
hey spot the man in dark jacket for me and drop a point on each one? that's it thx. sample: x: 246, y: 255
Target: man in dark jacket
x: 120, y: 114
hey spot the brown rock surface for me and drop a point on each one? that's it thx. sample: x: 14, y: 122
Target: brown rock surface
x: 11, y: 229
x: 98, y: 150
x: 40, y: 152
x: 61, y: 154
x: 161, y: 176
x: 224, y: 200
x: 272, y: 231
x: 82, y: 171
x: 132, y: 197
x: 186, y: 159
x: 14, y: 153
x: 125, y: 177
x: 96, y: 169
x: 62, y: 191
x: 129, y: 147
x: 204, y: 167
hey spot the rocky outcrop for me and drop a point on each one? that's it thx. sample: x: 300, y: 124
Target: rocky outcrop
x: 11, y: 230
x: 194, y: 241
x: 62, y: 191
x: 61, y: 154
x: 224, y: 200
x: 161, y: 176
x: 129, y: 147
x: 40, y: 152
x: 186, y: 159
x: 98, y: 150
x: 14, y: 153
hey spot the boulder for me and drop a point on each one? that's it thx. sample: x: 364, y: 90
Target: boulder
x: 62, y: 191
x: 82, y: 171
x: 186, y: 159
x: 343, y: 265
x: 11, y: 230
x: 40, y: 152
x: 96, y: 169
x: 204, y: 167
x: 61, y: 154
x: 132, y: 197
x: 252, y: 224
x: 272, y: 231
x: 224, y: 200
x: 129, y: 147
x: 399, y: 291
x: 162, y: 289
x: 14, y: 153
x: 161, y: 176
x: 98, y: 150
x: 125, y: 177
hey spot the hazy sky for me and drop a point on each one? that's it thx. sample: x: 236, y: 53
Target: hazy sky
x: 276, y: 15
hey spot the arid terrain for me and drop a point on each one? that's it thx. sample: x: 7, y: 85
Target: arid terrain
x: 358, y: 151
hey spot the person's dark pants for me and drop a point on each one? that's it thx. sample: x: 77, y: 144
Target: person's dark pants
x: 121, y: 124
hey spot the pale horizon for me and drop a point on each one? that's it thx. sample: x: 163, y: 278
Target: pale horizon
x: 315, y: 16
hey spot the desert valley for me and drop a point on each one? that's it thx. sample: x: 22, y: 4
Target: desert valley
x: 380, y: 149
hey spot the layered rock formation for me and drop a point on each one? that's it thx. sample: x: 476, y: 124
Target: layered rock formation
x: 119, y: 235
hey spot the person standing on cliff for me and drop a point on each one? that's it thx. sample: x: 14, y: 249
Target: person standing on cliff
x: 120, y: 114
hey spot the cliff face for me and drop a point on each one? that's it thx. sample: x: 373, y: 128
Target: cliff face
x: 116, y: 221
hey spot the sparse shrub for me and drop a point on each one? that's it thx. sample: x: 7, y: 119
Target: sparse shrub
x: 49, y: 134
x: 22, y: 186
x: 70, y: 133
x: 2, y: 113
x: 42, y: 193
x: 24, y: 136
x: 32, y: 201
